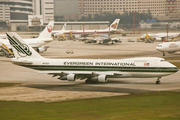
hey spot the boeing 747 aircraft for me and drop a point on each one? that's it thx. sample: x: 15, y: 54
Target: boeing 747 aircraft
x: 93, y: 70
x: 113, y: 27
x: 36, y: 43
x: 170, y: 47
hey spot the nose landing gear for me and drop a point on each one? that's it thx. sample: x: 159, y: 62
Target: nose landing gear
x: 158, y: 80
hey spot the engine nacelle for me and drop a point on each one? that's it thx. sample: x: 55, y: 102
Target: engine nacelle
x: 71, y: 77
x: 100, y: 78
x: 158, y: 39
x: 77, y: 36
x: 42, y: 49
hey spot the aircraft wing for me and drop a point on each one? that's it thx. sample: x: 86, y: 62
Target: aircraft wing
x: 80, y: 74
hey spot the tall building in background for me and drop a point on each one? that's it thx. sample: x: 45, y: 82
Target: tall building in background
x: 65, y: 10
x: 12, y: 10
x: 161, y: 9
x: 44, y: 8
x: 15, y: 9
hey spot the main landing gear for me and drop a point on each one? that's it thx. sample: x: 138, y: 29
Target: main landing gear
x: 158, y: 80
x: 163, y: 54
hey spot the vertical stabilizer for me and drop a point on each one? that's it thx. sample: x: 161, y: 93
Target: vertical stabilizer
x: 114, y: 25
x: 64, y: 26
x: 46, y: 33
x: 20, y: 48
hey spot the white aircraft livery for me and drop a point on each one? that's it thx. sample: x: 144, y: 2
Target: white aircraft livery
x: 170, y: 47
x: 113, y: 27
x: 93, y: 70
x: 161, y: 36
x: 37, y: 43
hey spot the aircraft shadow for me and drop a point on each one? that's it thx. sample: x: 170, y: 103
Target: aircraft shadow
x: 87, y: 87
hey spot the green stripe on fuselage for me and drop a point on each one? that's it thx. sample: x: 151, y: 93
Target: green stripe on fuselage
x: 101, y: 68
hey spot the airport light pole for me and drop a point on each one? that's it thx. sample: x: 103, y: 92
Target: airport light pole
x: 139, y: 15
x: 133, y: 22
x: 167, y: 33
x: 83, y: 32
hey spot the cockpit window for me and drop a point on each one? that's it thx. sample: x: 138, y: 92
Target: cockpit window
x: 159, y: 45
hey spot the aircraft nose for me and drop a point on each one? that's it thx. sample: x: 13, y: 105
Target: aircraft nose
x: 159, y: 47
x: 176, y: 69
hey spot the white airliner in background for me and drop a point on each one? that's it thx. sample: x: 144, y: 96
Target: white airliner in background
x: 161, y: 36
x: 36, y: 43
x: 170, y: 47
x: 93, y: 70
x: 79, y: 33
x: 104, y: 39
x: 2, y: 36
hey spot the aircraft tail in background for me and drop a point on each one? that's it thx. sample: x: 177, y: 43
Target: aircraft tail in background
x: 64, y: 26
x: 46, y: 33
x: 114, y: 25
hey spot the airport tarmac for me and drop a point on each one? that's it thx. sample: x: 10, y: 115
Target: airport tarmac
x: 42, y: 87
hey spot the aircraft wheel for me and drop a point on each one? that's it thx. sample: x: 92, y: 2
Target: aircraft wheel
x: 158, y: 82
x: 163, y: 54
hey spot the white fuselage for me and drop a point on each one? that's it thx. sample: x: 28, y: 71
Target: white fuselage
x: 34, y: 42
x: 124, y: 68
x: 168, y: 47
x: 161, y: 36
x: 79, y: 32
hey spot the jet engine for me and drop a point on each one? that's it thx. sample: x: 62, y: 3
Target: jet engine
x: 42, y: 49
x: 158, y: 39
x: 100, y: 78
x: 71, y: 77
x: 77, y: 36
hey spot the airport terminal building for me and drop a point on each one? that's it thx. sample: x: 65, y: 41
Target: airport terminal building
x: 160, y: 9
x: 17, y: 12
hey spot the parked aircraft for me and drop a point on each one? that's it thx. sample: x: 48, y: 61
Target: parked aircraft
x: 170, y: 47
x: 161, y: 36
x: 79, y: 33
x: 2, y: 36
x: 37, y: 43
x: 104, y: 39
x: 93, y: 70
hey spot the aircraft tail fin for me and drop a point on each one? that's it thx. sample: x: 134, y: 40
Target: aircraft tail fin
x: 46, y: 33
x: 20, y: 48
x: 64, y: 26
x: 114, y: 25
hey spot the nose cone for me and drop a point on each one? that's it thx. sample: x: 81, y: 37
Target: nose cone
x: 175, y: 69
x: 159, y: 47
